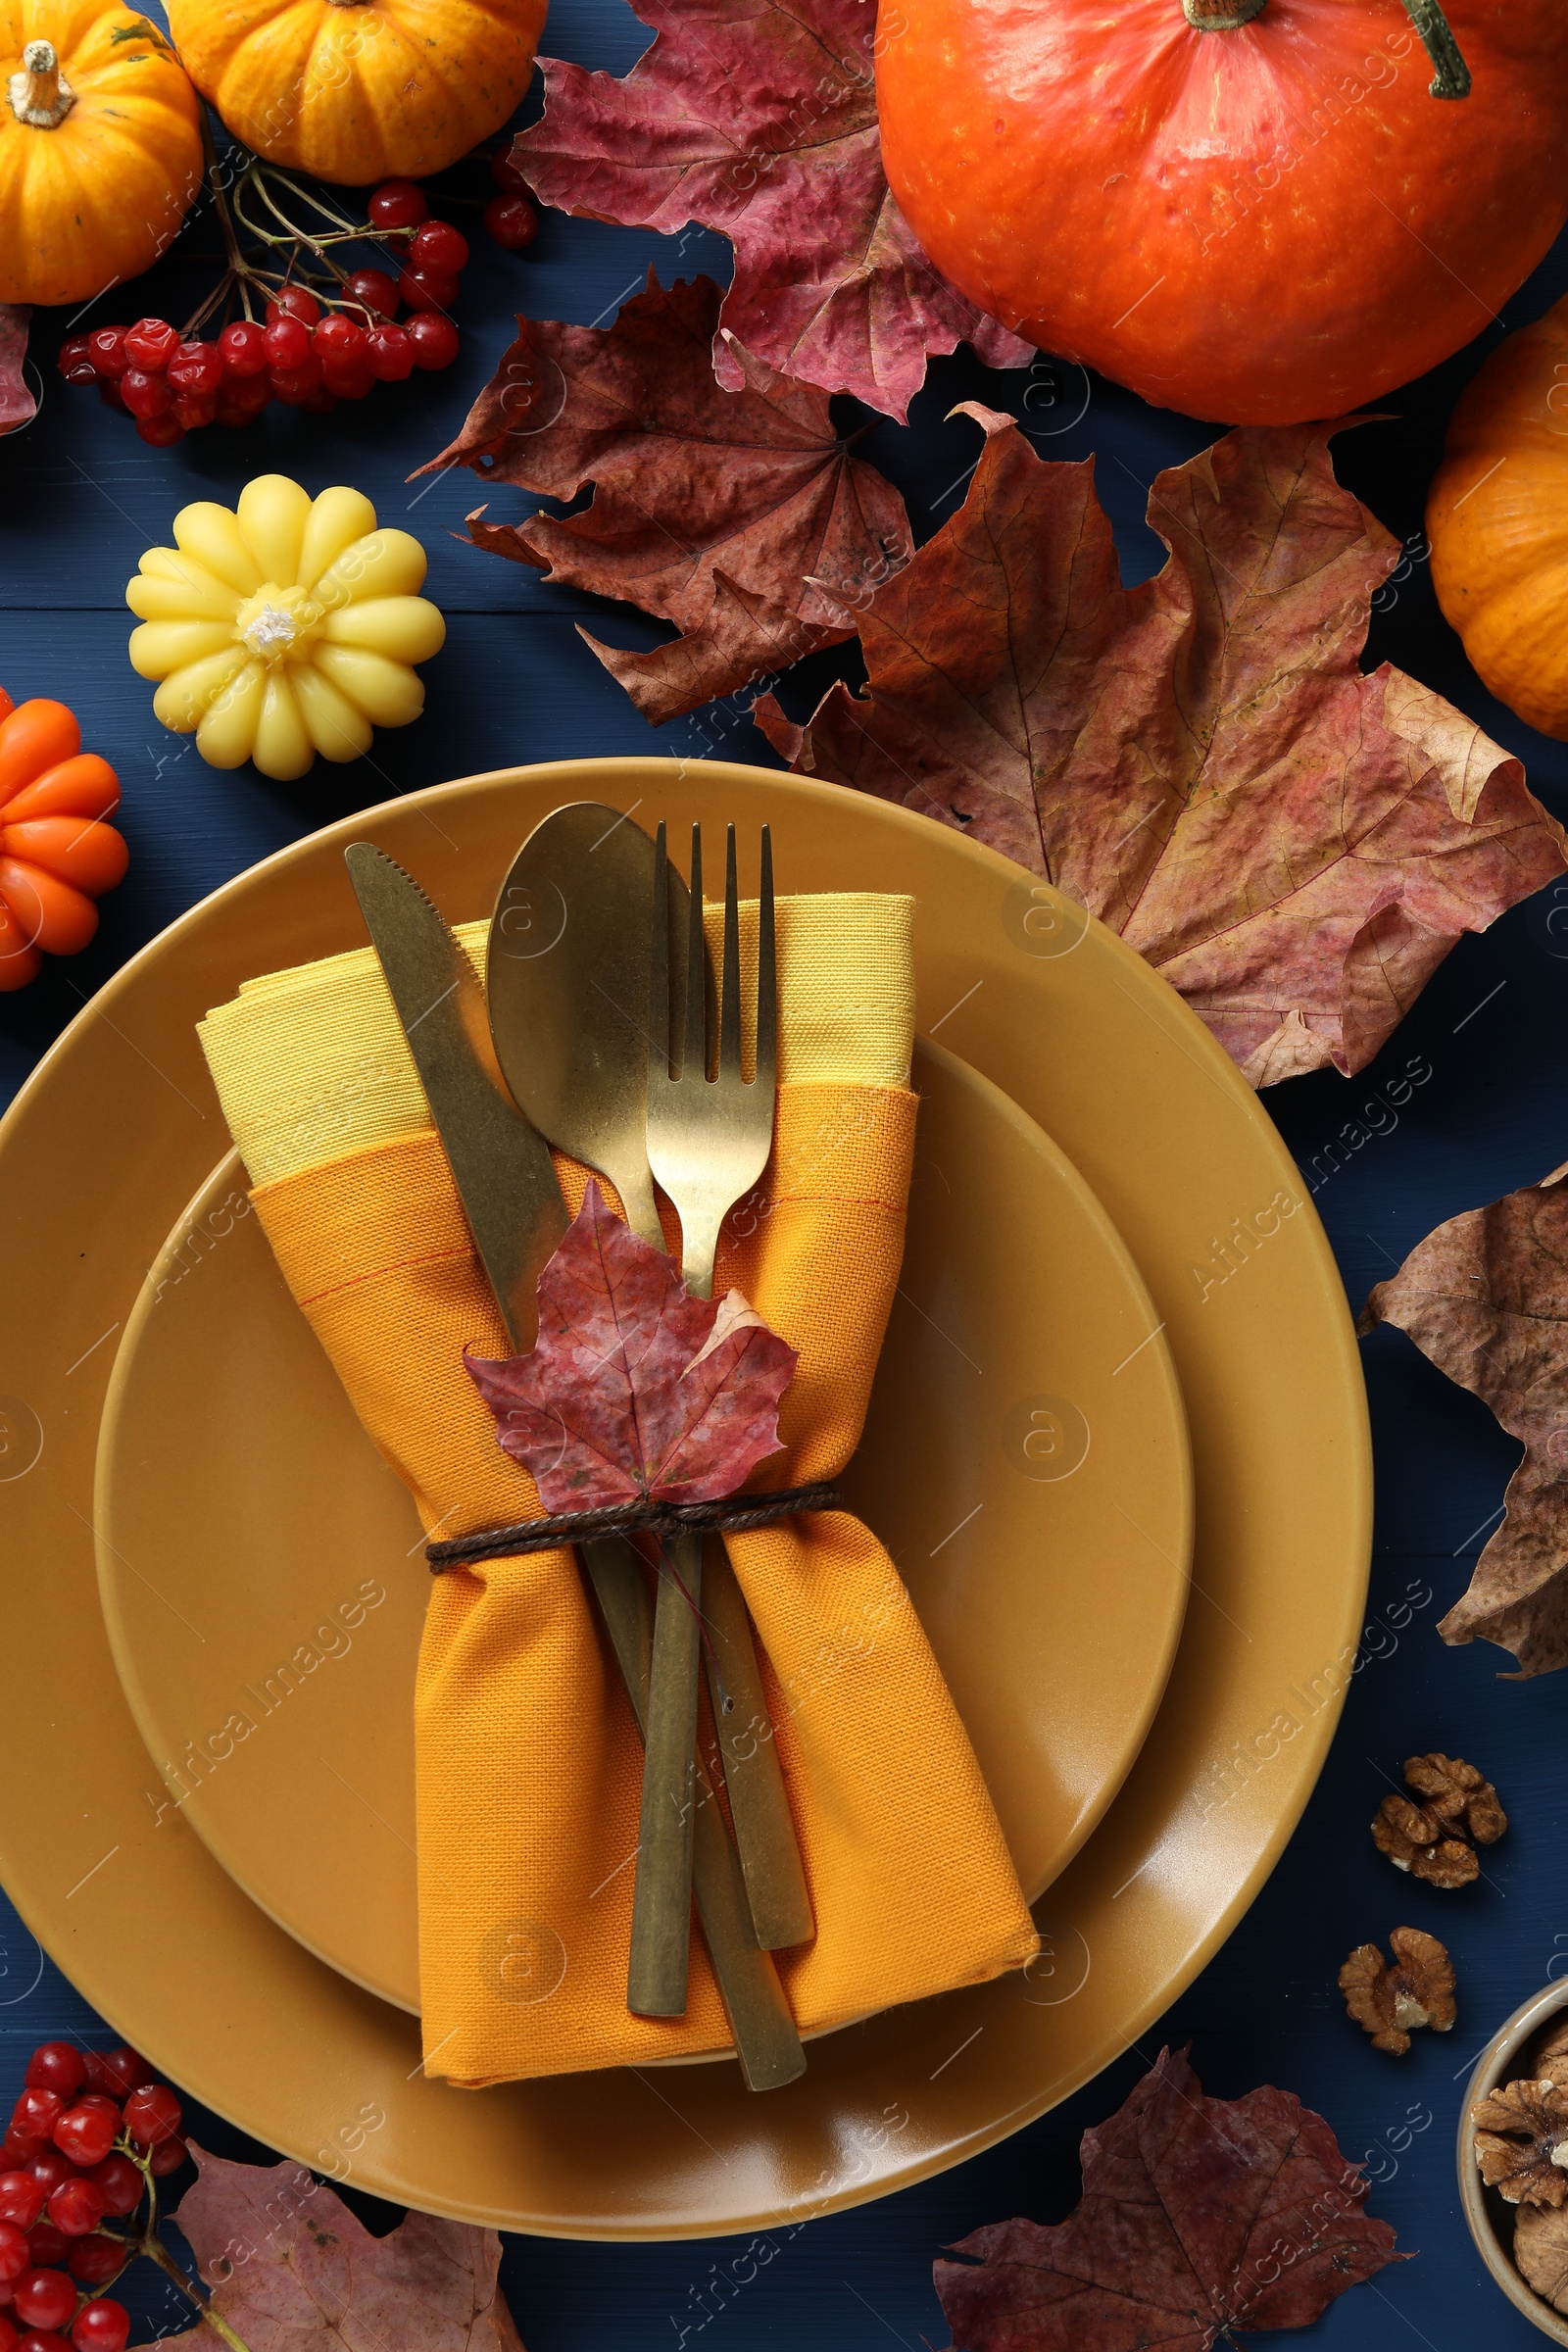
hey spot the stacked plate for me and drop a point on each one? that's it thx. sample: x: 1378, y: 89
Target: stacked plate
x: 1118, y: 1449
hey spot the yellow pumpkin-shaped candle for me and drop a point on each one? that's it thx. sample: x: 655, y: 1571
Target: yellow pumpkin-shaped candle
x: 1498, y: 523
x: 283, y: 627
x: 100, y: 147
x: 352, y: 90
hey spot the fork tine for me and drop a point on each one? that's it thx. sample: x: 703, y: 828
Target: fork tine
x: 659, y: 968
x: 694, y: 1055
x: 766, y: 1072
x: 729, y: 1012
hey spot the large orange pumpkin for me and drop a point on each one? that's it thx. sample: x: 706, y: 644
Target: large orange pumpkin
x: 352, y: 90
x: 1253, y: 211
x: 100, y: 150
x: 1498, y: 523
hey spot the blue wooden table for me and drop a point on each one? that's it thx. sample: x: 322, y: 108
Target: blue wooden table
x: 81, y: 496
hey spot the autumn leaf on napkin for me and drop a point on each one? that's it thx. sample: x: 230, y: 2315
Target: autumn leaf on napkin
x: 1486, y: 1297
x: 758, y: 120
x: 1198, y: 761
x: 292, y: 2270
x: 1197, y: 2215
x: 739, y: 516
x: 17, y: 403
x: 635, y: 1389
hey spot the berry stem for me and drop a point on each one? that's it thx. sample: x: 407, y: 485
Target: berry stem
x: 146, y: 2239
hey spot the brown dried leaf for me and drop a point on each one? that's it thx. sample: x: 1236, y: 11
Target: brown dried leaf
x: 1199, y: 2216
x: 739, y: 516
x: 757, y: 118
x: 1540, y: 2251
x: 1198, y: 761
x: 1393, y: 2003
x: 17, y: 403
x: 1522, y: 2142
x: 1486, y: 1297
x: 293, y: 2271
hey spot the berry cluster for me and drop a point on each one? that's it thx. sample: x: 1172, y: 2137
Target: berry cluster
x: 89, y: 2135
x: 510, y: 217
x: 317, y: 347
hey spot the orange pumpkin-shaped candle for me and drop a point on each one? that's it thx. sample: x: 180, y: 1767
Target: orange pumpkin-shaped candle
x: 1252, y: 211
x: 1498, y: 523
x: 100, y: 149
x: 57, y: 855
x: 355, y: 90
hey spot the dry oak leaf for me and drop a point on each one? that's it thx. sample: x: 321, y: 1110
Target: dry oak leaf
x: 742, y: 517
x: 635, y: 1389
x: 757, y: 119
x: 1486, y: 1297
x: 292, y: 2270
x: 1522, y: 2142
x: 1197, y: 2215
x: 1393, y: 2003
x: 1540, y: 2251
x: 17, y: 403
x: 1197, y: 761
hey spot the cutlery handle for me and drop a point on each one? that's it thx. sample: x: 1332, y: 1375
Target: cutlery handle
x: 765, y: 2040
x: 662, y: 1899
x: 765, y: 1829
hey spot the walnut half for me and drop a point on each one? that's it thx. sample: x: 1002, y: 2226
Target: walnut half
x: 1429, y: 1839
x: 1393, y: 2003
x: 1522, y: 2142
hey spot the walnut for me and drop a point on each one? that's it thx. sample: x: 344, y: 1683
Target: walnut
x: 1429, y: 1839
x: 1548, y: 2061
x: 1392, y: 2003
x: 1522, y: 2142
x: 1540, y: 2251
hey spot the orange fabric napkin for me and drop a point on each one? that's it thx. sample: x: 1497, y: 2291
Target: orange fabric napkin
x: 528, y: 1764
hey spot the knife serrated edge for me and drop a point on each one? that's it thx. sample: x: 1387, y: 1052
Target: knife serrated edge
x: 501, y: 1165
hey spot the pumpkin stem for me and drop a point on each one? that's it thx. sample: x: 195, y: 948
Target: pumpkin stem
x: 1451, y: 78
x: 1220, y: 16
x: 41, y: 94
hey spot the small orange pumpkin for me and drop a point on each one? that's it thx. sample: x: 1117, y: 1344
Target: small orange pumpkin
x: 355, y: 90
x: 56, y: 853
x: 1498, y: 523
x: 100, y: 148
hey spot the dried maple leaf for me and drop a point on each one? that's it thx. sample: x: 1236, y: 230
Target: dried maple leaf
x: 1197, y: 2215
x: 757, y: 118
x: 1198, y: 761
x: 16, y: 403
x: 1522, y: 2142
x: 292, y: 2270
x: 739, y: 516
x: 1393, y: 2003
x: 635, y: 1389
x: 1486, y: 1297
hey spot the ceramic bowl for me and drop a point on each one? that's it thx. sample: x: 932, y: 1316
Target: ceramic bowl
x: 1489, y: 2217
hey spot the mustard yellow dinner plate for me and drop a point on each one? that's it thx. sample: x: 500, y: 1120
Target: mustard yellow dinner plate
x: 119, y: 1124
x: 264, y: 1581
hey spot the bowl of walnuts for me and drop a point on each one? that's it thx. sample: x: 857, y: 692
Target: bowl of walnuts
x: 1513, y: 2159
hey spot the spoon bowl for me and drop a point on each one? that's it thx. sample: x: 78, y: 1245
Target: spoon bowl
x: 567, y: 982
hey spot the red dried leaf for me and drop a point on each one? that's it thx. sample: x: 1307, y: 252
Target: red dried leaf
x: 293, y: 2271
x: 1198, y: 761
x: 739, y: 516
x: 1197, y: 2215
x: 758, y: 120
x: 635, y: 1389
x: 17, y: 403
x: 1486, y: 1297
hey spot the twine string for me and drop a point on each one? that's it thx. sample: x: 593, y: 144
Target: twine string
x: 733, y: 1513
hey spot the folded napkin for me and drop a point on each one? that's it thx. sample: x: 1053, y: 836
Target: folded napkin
x: 529, y: 1765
